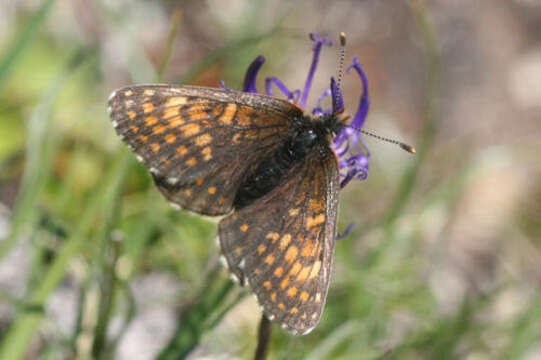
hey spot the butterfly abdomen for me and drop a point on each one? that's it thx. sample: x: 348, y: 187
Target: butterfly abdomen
x: 268, y: 173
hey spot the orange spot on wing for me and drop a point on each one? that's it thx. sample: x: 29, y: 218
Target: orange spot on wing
x: 281, y: 306
x: 170, y: 138
x: 291, y: 253
x: 294, y: 212
x: 315, y: 270
x: 155, y: 147
x: 207, y: 153
x: 284, y: 241
x: 295, y: 268
x: 273, y: 236
x: 279, y: 271
x: 244, y: 116
x: 131, y: 114
x: 151, y: 120
x: 314, y: 220
x: 227, y: 116
x: 261, y: 249
x: 273, y: 297
x: 303, y: 274
x: 308, y: 248
x: 190, y: 129
x: 244, y: 227
x: 304, y: 296
x: 176, y: 121
x: 267, y: 285
x: 292, y: 291
x: 284, y: 283
x: 191, y: 161
x: 294, y: 311
x: 212, y: 190
x: 148, y: 107
x: 203, y: 140
x: 135, y: 129
x: 159, y: 129
x: 269, y: 259
x: 316, y: 206
x: 197, y: 113
x: 143, y: 138
x: 182, y: 150
x: 175, y: 101
x: 236, y: 138
x: 170, y: 112
x: 199, y: 181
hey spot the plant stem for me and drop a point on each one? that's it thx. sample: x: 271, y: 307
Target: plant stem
x: 263, y: 338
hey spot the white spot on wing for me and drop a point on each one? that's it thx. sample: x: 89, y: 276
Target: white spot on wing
x: 113, y: 94
x: 270, y: 317
x: 114, y: 122
x: 307, y: 331
x: 172, y: 180
x: 175, y: 206
x: 139, y: 158
x: 234, y: 278
x: 153, y: 170
x: 242, y: 264
x: 223, y: 261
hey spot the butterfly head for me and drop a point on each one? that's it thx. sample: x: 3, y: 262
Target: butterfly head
x: 332, y: 122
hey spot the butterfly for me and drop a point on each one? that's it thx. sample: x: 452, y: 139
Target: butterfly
x: 263, y: 164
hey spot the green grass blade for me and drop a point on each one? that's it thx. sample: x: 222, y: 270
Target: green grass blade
x: 16, y: 340
x: 41, y: 147
x: 24, y: 38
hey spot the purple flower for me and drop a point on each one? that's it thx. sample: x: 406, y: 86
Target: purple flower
x: 352, y: 153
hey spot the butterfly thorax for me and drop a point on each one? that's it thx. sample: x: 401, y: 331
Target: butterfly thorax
x: 307, y: 134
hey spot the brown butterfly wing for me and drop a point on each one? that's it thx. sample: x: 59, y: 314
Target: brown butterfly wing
x: 199, y: 142
x: 282, y: 244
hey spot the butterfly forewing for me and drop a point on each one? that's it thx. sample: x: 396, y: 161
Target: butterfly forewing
x: 199, y: 142
x: 282, y: 244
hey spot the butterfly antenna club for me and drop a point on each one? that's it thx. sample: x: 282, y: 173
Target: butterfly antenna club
x: 404, y: 146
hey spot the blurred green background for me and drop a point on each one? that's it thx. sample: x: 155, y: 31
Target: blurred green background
x: 444, y: 261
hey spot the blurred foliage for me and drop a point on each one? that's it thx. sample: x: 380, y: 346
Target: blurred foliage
x: 83, y: 218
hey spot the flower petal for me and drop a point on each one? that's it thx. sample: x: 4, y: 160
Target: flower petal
x: 364, y: 103
x: 280, y: 85
x: 318, y: 43
x: 318, y: 111
x: 251, y: 75
x: 345, y: 232
x: 223, y: 87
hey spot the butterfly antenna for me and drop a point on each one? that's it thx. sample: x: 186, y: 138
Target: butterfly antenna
x: 342, y: 57
x: 404, y: 146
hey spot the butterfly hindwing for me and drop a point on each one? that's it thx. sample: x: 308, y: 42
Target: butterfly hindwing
x: 198, y: 142
x: 282, y: 244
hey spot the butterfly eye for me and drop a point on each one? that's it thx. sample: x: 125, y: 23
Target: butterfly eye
x: 309, y: 137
